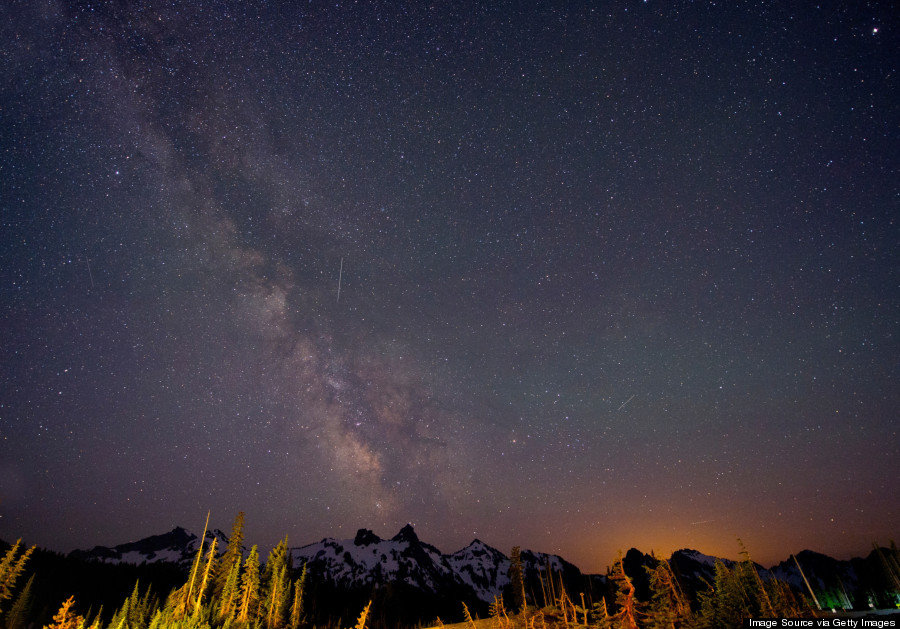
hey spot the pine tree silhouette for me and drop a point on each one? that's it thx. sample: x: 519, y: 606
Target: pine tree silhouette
x: 516, y: 580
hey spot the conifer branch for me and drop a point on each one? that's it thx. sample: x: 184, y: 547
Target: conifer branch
x: 361, y: 622
x: 468, y: 617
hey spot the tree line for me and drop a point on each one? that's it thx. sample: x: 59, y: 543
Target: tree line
x: 225, y: 590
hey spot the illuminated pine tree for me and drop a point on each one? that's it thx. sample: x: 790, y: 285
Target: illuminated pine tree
x: 10, y: 569
x: 583, y: 609
x: 94, y: 624
x: 276, y: 598
x: 120, y: 618
x: 17, y: 617
x: 204, y: 581
x: 668, y: 607
x: 228, y: 601
x: 177, y: 604
x: 625, y: 617
x: 159, y: 620
x: 65, y: 618
x: 143, y: 608
x: 600, y: 612
x: 135, y: 611
x: 182, y: 599
x: 277, y: 585
x: 249, y: 593
x: 468, y: 616
x: 233, y: 553
x: 297, y: 605
x: 198, y: 559
x: 498, y: 613
x: 98, y: 619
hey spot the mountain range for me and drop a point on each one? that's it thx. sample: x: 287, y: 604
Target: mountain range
x: 479, y: 572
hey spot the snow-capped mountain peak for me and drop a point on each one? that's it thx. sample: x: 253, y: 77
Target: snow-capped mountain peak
x: 178, y: 546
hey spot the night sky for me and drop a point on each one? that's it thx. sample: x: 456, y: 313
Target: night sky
x: 571, y: 276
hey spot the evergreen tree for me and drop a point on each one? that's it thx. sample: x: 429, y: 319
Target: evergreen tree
x: 17, y: 617
x: 516, y: 580
x: 158, y: 620
x: 188, y: 591
x: 204, y: 581
x: 97, y: 621
x: 120, y: 618
x: 277, y: 598
x: 10, y: 569
x: 65, y: 618
x: 785, y: 603
x: 297, y: 606
x: 727, y: 603
x: 135, y: 611
x: 181, y: 601
x: 277, y: 585
x: 468, y: 616
x: 625, y: 617
x: 228, y: 601
x: 233, y: 554
x: 176, y: 605
x: 705, y: 616
x: 145, y: 609
x: 667, y: 608
x: 600, y: 612
x: 498, y: 613
x: 249, y: 594
x: 754, y: 584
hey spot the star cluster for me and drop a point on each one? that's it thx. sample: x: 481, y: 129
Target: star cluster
x: 573, y: 276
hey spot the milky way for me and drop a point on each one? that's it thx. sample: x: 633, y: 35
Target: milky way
x: 570, y: 278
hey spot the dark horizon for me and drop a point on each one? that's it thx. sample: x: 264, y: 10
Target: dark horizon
x: 559, y: 276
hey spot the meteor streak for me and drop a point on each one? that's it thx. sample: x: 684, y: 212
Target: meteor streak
x: 340, y: 275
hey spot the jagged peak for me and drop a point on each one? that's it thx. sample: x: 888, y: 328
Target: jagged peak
x: 365, y: 537
x: 477, y: 545
x: 179, y: 532
x: 688, y: 551
x: 406, y: 534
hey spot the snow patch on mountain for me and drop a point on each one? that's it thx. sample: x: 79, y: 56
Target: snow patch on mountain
x: 178, y: 546
x: 367, y: 559
x: 480, y: 567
